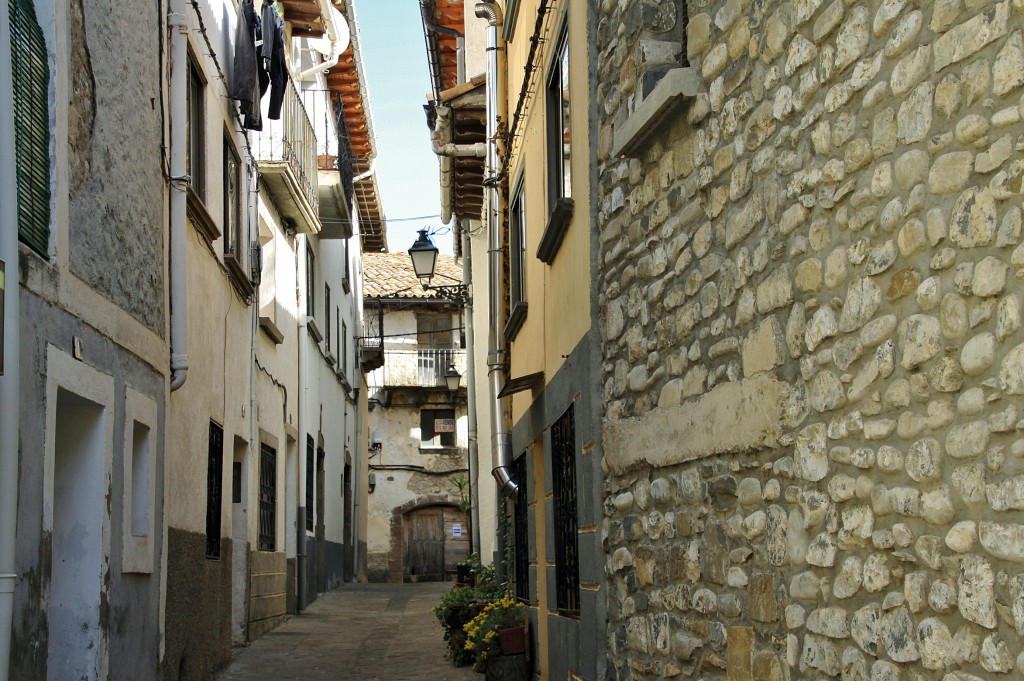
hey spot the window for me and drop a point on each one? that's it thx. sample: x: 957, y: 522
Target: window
x: 214, y: 485
x: 558, y: 125
x: 31, y: 88
x: 195, y: 130
x: 268, y: 498
x: 563, y: 473
x: 327, y: 318
x: 232, y: 202
x: 521, y: 529
x: 343, y: 355
x: 435, y: 352
x: 517, y: 262
x: 310, y: 282
x: 310, y: 460
x: 517, y: 248
x: 139, y: 473
x: 559, y: 149
x: 437, y: 428
x: 345, y: 283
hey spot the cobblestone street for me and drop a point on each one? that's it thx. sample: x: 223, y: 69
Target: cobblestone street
x: 359, y: 632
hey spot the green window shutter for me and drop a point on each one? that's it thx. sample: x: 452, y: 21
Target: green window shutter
x: 32, y: 126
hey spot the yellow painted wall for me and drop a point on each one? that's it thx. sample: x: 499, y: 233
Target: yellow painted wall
x: 558, y: 295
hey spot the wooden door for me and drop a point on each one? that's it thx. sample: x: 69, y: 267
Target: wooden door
x: 424, y: 545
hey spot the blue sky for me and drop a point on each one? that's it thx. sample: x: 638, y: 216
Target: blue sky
x: 395, y: 63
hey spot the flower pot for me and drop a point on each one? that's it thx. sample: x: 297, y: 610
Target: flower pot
x: 512, y: 640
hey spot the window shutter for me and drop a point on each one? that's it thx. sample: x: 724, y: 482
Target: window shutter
x: 32, y: 126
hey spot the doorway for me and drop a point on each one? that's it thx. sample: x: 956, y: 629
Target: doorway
x: 76, y: 640
x: 239, y: 542
x: 436, y: 538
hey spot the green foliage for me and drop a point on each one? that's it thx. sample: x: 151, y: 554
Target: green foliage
x: 482, y: 631
x: 461, y: 604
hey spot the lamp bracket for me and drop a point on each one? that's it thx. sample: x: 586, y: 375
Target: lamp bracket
x: 457, y: 292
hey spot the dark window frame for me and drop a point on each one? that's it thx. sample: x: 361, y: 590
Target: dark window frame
x: 437, y: 440
x: 310, y: 282
x: 267, y: 539
x: 343, y: 352
x: 518, y: 305
x: 233, y: 195
x: 214, y: 490
x: 327, y: 317
x: 559, y: 122
x: 521, y: 529
x: 195, y: 122
x: 566, y: 521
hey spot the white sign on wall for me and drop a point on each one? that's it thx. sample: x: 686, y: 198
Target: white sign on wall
x: 456, y: 529
x: 444, y: 425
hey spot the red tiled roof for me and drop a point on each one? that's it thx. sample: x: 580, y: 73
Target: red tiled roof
x: 390, y: 275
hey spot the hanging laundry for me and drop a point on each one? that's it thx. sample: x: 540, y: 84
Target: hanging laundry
x: 273, y: 58
x: 245, y: 86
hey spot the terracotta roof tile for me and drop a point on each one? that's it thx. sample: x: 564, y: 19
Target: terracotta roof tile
x: 390, y: 275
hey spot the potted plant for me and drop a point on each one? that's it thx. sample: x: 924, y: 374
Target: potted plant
x: 460, y: 605
x: 496, y: 634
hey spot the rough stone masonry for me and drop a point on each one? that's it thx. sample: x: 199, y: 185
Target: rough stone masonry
x: 811, y: 287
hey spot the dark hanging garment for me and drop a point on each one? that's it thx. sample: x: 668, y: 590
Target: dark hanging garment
x: 245, y: 85
x: 273, y: 54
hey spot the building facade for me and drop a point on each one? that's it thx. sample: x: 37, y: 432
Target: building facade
x: 808, y: 265
x: 268, y: 425
x: 90, y: 279
x: 419, y: 501
x: 196, y: 425
x: 533, y: 255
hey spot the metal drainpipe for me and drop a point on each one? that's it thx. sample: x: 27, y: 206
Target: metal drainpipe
x: 178, y: 27
x: 338, y: 43
x: 497, y: 358
x: 474, y: 463
x: 9, y: 382
x: 300, y: 525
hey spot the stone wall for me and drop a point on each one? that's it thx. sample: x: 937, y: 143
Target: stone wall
x: 810, y: 301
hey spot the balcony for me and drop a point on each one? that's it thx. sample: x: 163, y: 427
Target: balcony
x: 421, y: 368
x: 286, y: 153
x: 371, y: 343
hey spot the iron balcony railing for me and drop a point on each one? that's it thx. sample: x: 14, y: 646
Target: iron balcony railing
x: 423, y: 368
x: 292, y: 140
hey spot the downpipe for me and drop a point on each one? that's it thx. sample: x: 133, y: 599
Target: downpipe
x: 471, y: 416
x: 178, y: 27
x: 10, y: 400
x: 338, y: 45
x: 497, y: 359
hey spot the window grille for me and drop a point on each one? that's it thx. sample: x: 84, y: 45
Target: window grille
x: 214, y: 488
x: 521, y: 528
x: 268, y: 498
x: 31, y: 89
x: 563, y: 469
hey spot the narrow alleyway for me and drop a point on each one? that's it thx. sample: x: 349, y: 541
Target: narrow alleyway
x: 360, y: 632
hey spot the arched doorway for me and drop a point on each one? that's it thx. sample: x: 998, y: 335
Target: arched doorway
x: 435, y: 539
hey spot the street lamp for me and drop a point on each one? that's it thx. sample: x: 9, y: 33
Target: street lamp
x: 452, y: 378
x: 423, y: 254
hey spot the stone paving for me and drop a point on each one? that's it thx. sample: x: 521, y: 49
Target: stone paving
x: 359, y: 632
